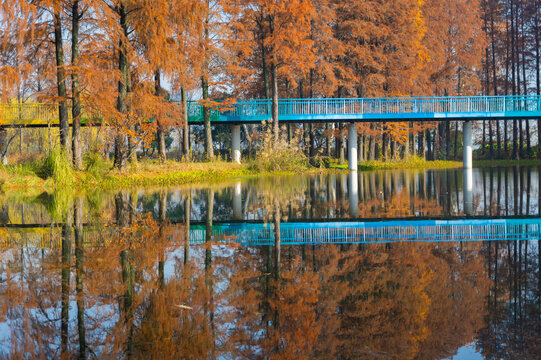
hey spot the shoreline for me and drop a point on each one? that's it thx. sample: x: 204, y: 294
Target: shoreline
x: 24, y: 177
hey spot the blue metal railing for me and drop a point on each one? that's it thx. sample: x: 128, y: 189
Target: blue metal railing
x: 373, y: 232
x: 379, y: 108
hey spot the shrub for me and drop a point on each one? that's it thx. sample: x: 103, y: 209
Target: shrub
x: 94, y: 163
x: 321, y: 161
x: 280, y: 156
x: 57, y: 166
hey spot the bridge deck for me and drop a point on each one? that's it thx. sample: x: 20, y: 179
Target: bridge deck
x: 321, y: 110
x: 377, y: 109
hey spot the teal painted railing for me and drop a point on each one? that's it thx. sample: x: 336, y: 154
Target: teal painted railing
x: 418, y: 108
x: 295, y: 233
x: 373, y: 232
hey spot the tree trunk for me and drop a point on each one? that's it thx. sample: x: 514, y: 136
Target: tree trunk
x: 361, y: 149
x: 342, y: 145
x: 275, y: 124
x: 525, y: 86
x: 306, y: 138
x: 513, y: 80
x: 421, y: 141
x: 76, y: 103
x: 538, y: 81
x: 289, y: 133
x: 456, y: 140
x: 312, y: 139
x: 160, y: 132
x: 329, y: 139
x: 372, y: 148
x: 79, y: 277
x: 384, y: 146
x: 521, y: 139
x: 515, y: 142
x: 429, y: 146
x: 4, y: 145
x: 209, y: 147
x: 277, y: 239
x: 122, y: 106
x: 265, y: 71
x: 61, y: 83
x: 447, y: 139
x: 186, y: 129
x: 506, y: 88
x: 65, y: 288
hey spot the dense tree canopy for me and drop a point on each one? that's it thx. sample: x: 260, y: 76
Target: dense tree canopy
x: 129, y: 58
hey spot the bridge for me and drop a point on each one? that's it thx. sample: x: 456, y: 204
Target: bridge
x: 375, y: 109
x: 350, y: 110
x: 361, y: 232
x: 356, y: 231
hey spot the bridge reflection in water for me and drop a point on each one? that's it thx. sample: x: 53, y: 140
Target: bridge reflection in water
x: 371, y: 232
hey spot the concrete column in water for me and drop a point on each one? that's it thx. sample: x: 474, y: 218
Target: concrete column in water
x: 332, y: 188
x: 468, y: 191
x: 467, y: 134
x: 235, y: 142
x: 237, y: 201
x: 353, y: 194
x: 352, y: 146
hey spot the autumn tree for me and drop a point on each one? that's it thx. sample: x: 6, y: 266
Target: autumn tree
x: 281, y: 30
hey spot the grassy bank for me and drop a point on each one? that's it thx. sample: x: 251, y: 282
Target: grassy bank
x: 411, y: 163
x: 44, y: 175
x: 35, y: 177
x: 171, y: 173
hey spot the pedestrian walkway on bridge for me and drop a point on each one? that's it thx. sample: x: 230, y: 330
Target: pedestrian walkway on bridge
x: 350, y: 110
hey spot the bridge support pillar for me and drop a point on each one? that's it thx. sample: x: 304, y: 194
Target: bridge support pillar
x: 237, y: 201
x: 467, y: 151
x: 352, y: 147
x: 468, y: 191
x: 235, y: 142
x: 353, y: 189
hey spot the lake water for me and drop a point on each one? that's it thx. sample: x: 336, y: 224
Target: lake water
x: 371, y: 265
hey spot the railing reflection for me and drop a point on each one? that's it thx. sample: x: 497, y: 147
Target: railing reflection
x: 373, y: 232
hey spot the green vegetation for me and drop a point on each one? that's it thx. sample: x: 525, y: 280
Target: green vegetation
x: 52, y: 172
x: 507, y: 162
x: 413, y: 162
x: 283, y: 156
x: 57, y: 166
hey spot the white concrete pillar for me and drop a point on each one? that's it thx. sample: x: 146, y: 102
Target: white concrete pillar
x: 332, y: 188
x: 467, y: 140
x: 468, y: 191
x: 352, y: 147
x: 353, y: 194
x: 235, y: 142
x: 237, y: 201
x: 343, y: 186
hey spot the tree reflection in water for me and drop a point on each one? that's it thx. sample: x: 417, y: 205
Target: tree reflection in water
x: 134, y: 287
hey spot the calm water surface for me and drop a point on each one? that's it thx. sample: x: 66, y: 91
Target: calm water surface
x: 372, y: 265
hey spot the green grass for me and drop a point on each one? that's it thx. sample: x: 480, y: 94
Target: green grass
x: 411, y: 163
x: 54, y: 173
x: 51, y: 173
